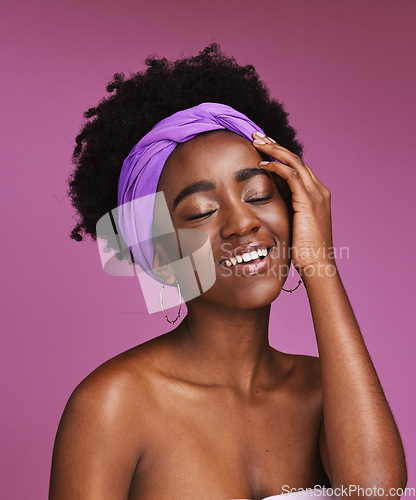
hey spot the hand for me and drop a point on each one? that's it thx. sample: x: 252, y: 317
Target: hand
x: 311, y: 200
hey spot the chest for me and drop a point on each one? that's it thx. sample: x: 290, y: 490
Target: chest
x: 217, y: 446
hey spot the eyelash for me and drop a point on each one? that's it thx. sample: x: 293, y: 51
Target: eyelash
x: 200, y: 216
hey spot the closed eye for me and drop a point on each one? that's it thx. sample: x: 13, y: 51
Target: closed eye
x: 265, y: 198
x: 200, y: 216
x: 254, y: 200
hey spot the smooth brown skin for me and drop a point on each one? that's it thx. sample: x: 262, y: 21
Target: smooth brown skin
x: 210, y: 410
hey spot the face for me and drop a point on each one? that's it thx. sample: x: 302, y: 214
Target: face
x: 213, y: 183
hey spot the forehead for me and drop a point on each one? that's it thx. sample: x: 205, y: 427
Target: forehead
x: 208, y: 155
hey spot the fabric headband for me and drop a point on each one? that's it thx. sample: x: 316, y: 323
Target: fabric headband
x: 143, y: 166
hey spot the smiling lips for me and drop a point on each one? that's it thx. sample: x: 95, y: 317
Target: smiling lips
x: 242, y: 258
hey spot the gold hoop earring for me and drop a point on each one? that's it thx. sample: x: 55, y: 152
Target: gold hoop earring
x: 293, y: 289
x: 180, y: 302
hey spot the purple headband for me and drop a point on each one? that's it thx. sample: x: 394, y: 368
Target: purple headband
x: 143, y: 166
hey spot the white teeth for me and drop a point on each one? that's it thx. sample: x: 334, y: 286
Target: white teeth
x: 246, y: 257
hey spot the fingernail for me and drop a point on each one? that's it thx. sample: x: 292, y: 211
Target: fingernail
x: 259, y: 141
x: 259, y: 134
x: 272, y: 140
x: 264, y: 163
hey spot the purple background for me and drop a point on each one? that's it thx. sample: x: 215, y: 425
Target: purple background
x: 346, y: 73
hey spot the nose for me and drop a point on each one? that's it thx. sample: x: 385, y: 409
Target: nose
x: 239, y: 219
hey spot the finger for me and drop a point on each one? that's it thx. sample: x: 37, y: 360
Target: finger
x: 283, y: 155
x: 316, y: 180
x: 291, y: 176
x: 323, y: 189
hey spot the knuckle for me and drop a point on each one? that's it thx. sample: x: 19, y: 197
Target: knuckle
x: 327, y: 193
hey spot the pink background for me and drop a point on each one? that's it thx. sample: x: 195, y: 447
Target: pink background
x: 346, y: 73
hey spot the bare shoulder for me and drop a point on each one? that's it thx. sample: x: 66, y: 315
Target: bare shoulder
x: 120, y: 387
x: 115, y: 378
x: 101, y: 435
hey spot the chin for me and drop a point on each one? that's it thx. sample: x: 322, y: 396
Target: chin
x: 247, y: 296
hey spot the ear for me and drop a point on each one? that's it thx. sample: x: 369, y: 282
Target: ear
x: 161, y: 265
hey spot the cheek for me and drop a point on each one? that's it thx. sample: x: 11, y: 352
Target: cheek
x: 279, y: 220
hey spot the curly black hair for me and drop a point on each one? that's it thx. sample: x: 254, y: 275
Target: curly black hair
x: 136, y: 104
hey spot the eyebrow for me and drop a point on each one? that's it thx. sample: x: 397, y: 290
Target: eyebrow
x: 239, y: 176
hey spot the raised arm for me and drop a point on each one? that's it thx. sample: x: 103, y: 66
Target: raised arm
x: 96, y: 452
x: 360, y: 444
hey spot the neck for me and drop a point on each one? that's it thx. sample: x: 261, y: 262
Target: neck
x: 226, y: 347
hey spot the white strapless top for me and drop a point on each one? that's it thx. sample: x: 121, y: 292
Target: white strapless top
x: 299, y: 495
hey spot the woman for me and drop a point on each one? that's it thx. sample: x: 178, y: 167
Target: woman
x: 210, y: 410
